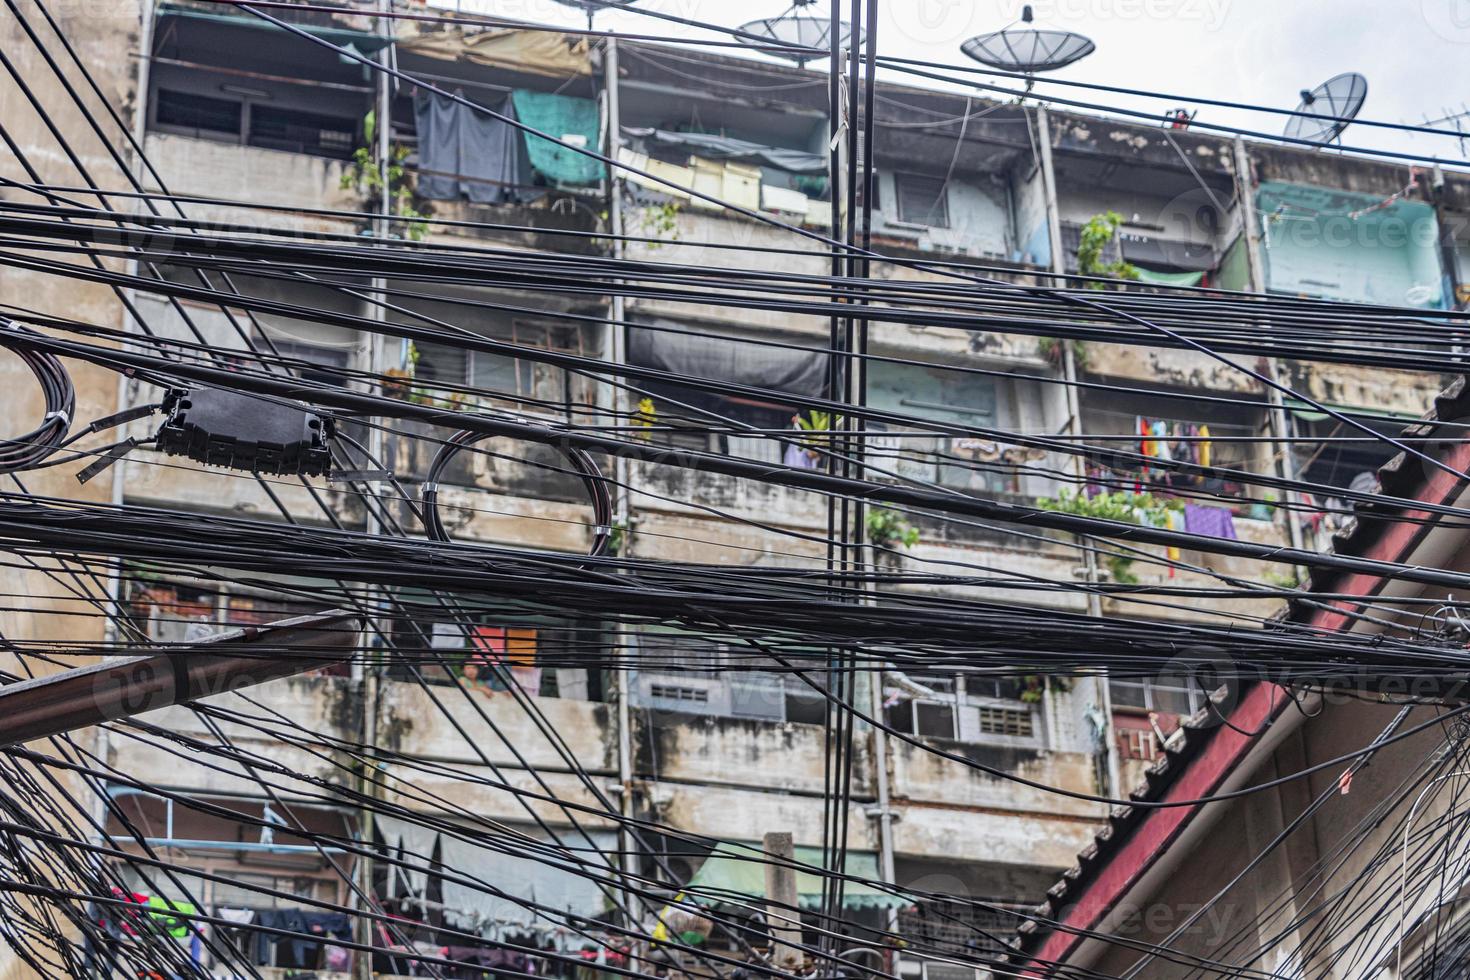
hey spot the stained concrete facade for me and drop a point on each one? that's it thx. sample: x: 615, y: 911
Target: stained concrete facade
x: 719, y: 775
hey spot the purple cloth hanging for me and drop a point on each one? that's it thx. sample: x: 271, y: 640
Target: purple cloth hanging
x: 1214, y: 522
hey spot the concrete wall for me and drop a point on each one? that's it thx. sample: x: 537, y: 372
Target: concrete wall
x: 100, y: 34
x: 1352, y: 247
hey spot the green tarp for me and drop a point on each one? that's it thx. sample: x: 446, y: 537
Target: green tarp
x: 566, y: 118
x: 1169, y: 278
x: 738, y: 869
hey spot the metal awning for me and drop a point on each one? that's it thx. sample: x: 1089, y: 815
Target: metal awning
x: 1307, y: 413
x: 363, y: 41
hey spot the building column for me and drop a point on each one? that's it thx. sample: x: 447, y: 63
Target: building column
x: 1280, y: 422
x: 1074, y: 430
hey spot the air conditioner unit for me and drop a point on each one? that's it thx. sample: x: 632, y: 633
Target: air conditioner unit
x: 953, y: 971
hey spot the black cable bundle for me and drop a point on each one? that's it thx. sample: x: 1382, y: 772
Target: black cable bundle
x: 32, y: 449
x: 582, y: 464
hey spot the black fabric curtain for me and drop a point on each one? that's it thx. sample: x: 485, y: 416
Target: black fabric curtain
x: 465, y: 153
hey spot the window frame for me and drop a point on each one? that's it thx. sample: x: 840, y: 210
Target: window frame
x: 961, y: 700
x: 1148, y: 685
x: 939, y: 209
x: 244, y: 135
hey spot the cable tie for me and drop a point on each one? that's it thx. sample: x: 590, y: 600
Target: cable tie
x: 59, y: 414
x: 107, y: 460
x: 118, y: 418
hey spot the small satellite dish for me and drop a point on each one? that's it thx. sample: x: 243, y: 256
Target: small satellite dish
x: 1027, y: 49
x: 593, y: 6
x: 1326, y: 110
x: 795, y: 27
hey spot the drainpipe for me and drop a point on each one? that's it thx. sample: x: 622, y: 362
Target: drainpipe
x: 884, y: 806
x: 1074, y: 429
x: 1281, y: 428
x: 616, y: 352
x: 142, y: 80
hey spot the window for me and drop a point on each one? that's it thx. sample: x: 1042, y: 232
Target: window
x: 531, y: 384
x: 922, y: 200
x: 198, y: 114
x: 255, y: 121
x: 1166, y: 694
x: 962, y: 709
x: 301, y: 132
x: 325, y: 365
x: 681, y: 673
x: 949, y: 397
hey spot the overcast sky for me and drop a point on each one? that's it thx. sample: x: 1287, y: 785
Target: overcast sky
x: 1415, y: 53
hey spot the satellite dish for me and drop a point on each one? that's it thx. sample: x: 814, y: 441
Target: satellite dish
x: 1027, y: 49
x: 1326, y: 110
x: 795, y: 27
x: 593, y: 6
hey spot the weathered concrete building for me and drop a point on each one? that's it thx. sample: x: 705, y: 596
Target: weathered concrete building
x: 230, y: 109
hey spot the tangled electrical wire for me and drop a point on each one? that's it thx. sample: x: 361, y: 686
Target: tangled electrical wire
x: 469, y: 814
x: 33, y: 448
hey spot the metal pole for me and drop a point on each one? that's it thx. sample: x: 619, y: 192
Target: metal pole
x: 364, y: 677
x: 617, y: 400
x: 148, y: 680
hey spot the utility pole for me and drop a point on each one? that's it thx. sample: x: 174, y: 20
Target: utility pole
x: 149, y: 680
x: 615, y: 351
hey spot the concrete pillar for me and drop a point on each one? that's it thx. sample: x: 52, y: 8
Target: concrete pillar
x: 781, y: 918
x: 1109, y: 748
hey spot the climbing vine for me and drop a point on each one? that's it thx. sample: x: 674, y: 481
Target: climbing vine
x: 366, y: 178
x: 660, y: 221
x: 1129, y: 508
x: 1097, y: 235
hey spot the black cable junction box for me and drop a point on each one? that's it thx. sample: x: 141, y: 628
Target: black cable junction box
x: 243, y: 432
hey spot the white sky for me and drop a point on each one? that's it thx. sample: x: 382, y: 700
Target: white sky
x: 1413, y: 52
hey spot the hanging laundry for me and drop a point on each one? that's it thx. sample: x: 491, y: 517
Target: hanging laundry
x: 1215, y: 522
x: 464, y: 152
x: 1174, y: 520
x: 572, y: 120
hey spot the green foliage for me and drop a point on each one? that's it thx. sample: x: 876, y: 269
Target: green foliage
x: 618, y: 539
x: 1051, y: 348
x: 366, y: 177
x: 1129, y: 508
x: 1097, y: 234
x: 660, y: 221
x: 1284, y: 578
x: 1035, y: 686
x: 888, y: 528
